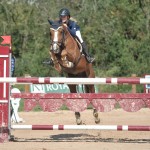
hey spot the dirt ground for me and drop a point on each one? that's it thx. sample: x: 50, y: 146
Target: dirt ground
x: 81, y: 139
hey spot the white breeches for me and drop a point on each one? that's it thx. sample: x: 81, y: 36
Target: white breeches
x: 78, y: 34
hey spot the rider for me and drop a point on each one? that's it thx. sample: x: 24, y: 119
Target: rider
x: 74, y: 29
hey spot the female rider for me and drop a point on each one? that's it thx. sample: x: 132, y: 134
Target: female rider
x: 74, y: 29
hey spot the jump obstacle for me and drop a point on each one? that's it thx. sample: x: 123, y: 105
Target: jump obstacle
x: 54, y: 101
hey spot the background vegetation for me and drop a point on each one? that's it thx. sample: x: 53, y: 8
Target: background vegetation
x: 117, y: 33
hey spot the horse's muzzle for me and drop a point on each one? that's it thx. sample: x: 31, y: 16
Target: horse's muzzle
x: 55, y: 50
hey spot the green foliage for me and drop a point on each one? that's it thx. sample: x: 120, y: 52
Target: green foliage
x: 116, y: 32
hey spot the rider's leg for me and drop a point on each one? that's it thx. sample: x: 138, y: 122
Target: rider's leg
x: 85, y: 49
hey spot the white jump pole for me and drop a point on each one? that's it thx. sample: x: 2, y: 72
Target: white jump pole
x: 57, y: 80
x: 81, y: 127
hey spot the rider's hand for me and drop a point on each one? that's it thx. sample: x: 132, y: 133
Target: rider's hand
x: 65, y: 24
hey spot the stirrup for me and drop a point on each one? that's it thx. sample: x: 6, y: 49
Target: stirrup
x: 48, y: 62
x: 90, y: 59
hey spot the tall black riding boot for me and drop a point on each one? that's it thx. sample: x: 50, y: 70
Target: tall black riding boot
x: 87, y: 55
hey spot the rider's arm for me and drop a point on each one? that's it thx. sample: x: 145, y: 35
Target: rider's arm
x: 73, y: 27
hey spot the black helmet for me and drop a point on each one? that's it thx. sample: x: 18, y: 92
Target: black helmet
x: 64, y: 12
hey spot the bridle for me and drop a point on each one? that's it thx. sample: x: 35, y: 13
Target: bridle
x: 61, y: 43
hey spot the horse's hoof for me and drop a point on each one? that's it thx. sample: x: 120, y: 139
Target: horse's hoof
x: 95, y: 115
x: 97, y: 121
x: 78, y: 121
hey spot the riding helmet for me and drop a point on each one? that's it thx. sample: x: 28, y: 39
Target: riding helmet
x: 64, y: 12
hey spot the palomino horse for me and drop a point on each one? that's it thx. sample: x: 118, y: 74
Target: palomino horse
x: 66, y: 55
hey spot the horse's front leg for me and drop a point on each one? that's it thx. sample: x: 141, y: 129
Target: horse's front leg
x: 65, y: 61
x: 55, y: 61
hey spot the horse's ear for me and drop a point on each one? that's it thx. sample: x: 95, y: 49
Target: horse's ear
x: 50, y: 22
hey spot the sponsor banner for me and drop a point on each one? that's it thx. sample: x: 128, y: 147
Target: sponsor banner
x: 54, y: 88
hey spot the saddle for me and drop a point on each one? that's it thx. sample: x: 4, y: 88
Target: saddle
x: 79, y: 45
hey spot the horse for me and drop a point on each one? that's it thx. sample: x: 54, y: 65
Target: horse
x: 65, y: 51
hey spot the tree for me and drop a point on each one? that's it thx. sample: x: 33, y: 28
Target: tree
x: 116, y: 32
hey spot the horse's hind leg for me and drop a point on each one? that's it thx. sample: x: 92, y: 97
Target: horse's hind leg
x: 77, y: 114
x: 90, y: 88
x: 95, y: 114
x: 78, y: 119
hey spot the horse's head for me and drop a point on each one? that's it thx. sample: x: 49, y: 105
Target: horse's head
x: 57, y: 36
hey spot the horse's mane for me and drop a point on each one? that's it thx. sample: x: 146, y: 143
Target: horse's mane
x: 73, y: 19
